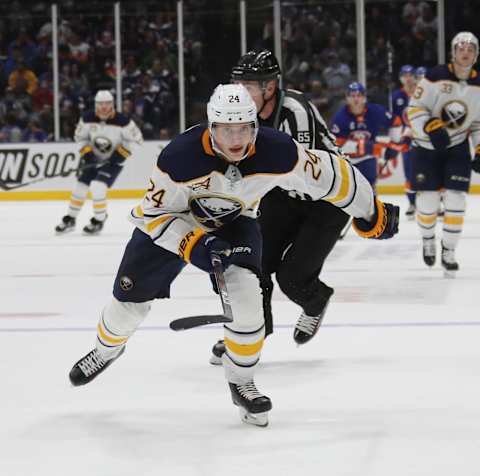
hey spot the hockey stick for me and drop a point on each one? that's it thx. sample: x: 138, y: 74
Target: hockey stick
x: 5, y: 186
x: 190, y: 322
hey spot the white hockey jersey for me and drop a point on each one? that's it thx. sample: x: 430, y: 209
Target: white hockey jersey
x: 456, y: 102
x: 104, y: 138
x: 193, y: 191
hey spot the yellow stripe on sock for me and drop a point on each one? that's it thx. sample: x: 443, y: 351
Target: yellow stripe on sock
x: 426, y: 219
x: 108, y: 339
x: 246, y: 350
x: 452, y: 220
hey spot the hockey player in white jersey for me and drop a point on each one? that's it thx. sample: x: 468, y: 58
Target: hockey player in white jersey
x: 444, y: 111
x: 105, y: 138
x: 203, y: 197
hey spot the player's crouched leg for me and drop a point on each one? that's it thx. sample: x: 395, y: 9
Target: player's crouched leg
x: 384, y: 223
x: 243, y: 342
x: 119, y: 320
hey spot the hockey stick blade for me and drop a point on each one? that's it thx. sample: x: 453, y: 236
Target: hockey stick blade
x: 185, y: 323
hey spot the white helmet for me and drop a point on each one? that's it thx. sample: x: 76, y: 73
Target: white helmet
x: 103, y: 96
x: 464, y: 37
x: 231, y: 104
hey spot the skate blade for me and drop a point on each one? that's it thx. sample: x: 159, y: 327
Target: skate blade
x: 60, y: 233
x: 449, y: 274
x: 214, y: 360
x: 257, y: 419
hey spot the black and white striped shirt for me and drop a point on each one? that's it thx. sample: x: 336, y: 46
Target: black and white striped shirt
x: 299, y: 118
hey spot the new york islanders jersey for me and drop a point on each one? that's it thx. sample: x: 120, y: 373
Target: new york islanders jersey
x: 456, y: 102
x: 104, y: 138
x: 357, y: 133
x: 400, y: 100
x: 193, y: 191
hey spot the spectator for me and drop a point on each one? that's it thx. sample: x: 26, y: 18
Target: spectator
x: 10, y: 132
x: 22, y: 73
x: 34, y: 133
x: 336, y: 76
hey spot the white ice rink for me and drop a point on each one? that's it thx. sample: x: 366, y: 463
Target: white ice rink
x: 389, y: 387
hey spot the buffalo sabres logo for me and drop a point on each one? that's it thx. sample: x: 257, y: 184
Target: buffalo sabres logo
x: 102, y: 144
x: 359, y: 135
x: 126, y: 283
x: 214, y: 211
x: 454, y: 113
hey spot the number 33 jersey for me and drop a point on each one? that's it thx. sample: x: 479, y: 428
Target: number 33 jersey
x: 193, y: 191
x: 456, y: 102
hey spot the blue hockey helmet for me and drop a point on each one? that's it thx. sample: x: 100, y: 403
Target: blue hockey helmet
x: 406, y: 69
x: 356, y: 87
x: 420, y: 72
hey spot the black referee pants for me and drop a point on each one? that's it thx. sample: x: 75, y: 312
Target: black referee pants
x: 298, y: 235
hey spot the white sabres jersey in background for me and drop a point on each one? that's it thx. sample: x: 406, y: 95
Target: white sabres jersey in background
x: 456, y: 102
x: 103, y: 138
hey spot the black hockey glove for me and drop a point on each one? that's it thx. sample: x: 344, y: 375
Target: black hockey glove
x: 383, y: 225
x: 435, y: 128
x: 390, y: 153
x: 200, y: 255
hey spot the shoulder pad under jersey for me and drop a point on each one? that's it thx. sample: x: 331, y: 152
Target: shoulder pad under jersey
x: 189, y: 156
x: 275, y: 153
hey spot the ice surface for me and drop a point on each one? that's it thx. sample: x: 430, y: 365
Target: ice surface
x: 388, y: 387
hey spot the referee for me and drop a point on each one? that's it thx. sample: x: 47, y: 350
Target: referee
x: 298, y: 233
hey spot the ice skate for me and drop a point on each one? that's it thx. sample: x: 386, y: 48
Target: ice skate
x: 88, y: 367
x: 67, y: 224
x: 217, y: 351
x: 94, y: 227
x: 449, y: 264
x: 429, y: 251
x: 253, y: 406
x: 410, y: 213
x: 307, y: 326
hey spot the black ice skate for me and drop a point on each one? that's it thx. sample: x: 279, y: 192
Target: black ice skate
x: 429, y: 251
x: 88, y: 367
x: 217, y: 351
x: 410, y: 213
x: 307, y: 326
x: 94, y: 227
x: 450, y: 266
x: 253, y: 406
x: 67, y: 224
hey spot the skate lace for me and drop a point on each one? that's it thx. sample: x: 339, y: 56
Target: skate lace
x: 307, y: 324
x: 91, y: 363
x: 249, y: 391
x: 429, y: 247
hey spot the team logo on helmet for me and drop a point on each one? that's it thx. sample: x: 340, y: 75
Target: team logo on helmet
x: 212, y: 212
x: 454, y: 113
x: 420, y: 178
x: 126, y: 283
x: 103, y: 145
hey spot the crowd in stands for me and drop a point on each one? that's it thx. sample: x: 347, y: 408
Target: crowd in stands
x: 318, y: 55
x: 86, y: 52
x: 319, y: 46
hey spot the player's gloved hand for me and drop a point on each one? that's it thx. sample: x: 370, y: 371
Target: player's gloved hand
x: 200, y: 255
x: 390, y: 153
x: 435, y: 129
x: 405, y: 143
x: 383, y: 224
